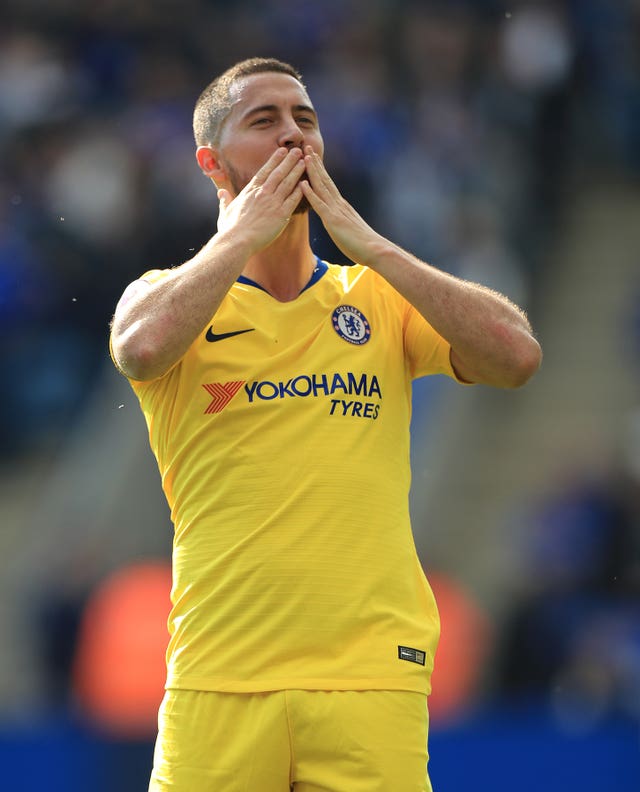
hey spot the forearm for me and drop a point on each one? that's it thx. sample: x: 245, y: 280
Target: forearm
x: 490, y: 337
x: 155, y: 324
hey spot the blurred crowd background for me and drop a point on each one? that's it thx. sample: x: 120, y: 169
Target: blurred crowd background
x: 497, y: 140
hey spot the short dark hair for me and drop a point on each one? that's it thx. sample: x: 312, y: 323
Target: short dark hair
x: 214, y: 103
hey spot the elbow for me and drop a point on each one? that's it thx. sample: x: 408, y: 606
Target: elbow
x: 139, y: 367
x: 136, y: 356
x: 526, y: 361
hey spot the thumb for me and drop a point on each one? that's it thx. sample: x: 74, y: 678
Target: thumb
x: 224, y: 196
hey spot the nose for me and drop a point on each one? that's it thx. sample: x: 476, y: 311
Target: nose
x: 291, y: 135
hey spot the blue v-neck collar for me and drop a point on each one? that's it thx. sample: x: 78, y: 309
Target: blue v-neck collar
x: 317, y: 273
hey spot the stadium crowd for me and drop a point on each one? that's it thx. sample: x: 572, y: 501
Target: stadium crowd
x: 450, y: 125
x: 455, y: 127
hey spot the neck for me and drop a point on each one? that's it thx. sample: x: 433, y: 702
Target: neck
x: 284, y: 268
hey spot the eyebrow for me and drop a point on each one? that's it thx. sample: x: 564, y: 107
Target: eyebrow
x: 271, y: 108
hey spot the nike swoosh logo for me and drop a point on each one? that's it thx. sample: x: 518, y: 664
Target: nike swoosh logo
x: 211, y: 336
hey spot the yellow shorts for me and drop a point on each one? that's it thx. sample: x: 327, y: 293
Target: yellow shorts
x: 301, y: 740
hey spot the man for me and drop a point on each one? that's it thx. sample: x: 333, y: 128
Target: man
x: 276, y: 390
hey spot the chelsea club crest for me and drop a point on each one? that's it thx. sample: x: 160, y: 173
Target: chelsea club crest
x: 351, y: 325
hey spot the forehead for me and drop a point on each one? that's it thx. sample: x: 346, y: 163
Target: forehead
x: 266, y: 88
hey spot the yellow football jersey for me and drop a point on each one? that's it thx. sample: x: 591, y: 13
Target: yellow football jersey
x: 282, y: 438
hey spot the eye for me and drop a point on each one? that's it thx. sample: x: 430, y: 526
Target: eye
x: 261, y: 121
x: 306, y: 120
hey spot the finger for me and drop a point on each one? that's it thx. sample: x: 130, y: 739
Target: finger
x: 290, y: 180
x: 317, y: 204
x: 318, y: 176
x: 313, y: 158
x: 224, y: 198
x: 292, y: 201
x: 284, y: 169
x: 270, y: 165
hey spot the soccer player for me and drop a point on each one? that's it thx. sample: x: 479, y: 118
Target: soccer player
x: 276, y: 389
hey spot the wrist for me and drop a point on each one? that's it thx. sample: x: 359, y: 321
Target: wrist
x: 234, y: 243
x: 377, y: 251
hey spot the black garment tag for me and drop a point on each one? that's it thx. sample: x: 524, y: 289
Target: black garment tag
x: 412, y: 655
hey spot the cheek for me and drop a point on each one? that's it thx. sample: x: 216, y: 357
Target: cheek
x: 240, y: 166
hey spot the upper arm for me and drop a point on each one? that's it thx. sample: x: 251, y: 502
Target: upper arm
x: 427, y: 351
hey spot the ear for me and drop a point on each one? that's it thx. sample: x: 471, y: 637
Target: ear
x: 209, y: 163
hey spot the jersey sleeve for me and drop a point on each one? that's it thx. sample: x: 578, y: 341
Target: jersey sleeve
x: 426, y: 350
